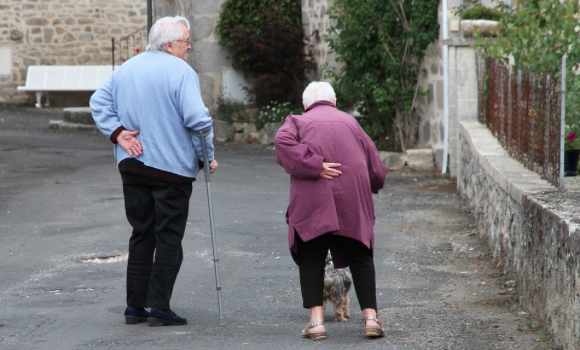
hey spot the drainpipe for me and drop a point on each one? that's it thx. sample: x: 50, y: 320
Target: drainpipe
x: 445, y: 88
x: 149, y: 16
x: 113, y: 53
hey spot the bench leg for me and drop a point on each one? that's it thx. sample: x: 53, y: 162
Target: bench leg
x: 39, y: 95
x: 38, y: 99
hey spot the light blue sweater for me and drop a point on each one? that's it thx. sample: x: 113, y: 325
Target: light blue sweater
x: 157, y: 94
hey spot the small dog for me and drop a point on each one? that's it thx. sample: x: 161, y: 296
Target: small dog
x: 337, y: 283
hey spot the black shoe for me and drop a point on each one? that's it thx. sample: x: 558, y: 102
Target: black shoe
x: 134, y: 315
x: 160, y: 318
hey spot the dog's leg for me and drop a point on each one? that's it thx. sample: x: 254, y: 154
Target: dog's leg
x: 338, y: 308
x: 345, y: 307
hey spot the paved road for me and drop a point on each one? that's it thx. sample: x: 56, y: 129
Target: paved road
x: 63, y: 238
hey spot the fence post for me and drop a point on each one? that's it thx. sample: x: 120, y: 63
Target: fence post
x: 531, y: 120
x: 562, y: 122
x: 520, y: 94
x: 546, y: 139
x: 501, y: 130
x: 509, y: 114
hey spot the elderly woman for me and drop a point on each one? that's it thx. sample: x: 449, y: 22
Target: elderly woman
x: 334, y: 168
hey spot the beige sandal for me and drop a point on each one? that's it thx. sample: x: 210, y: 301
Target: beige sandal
x: 374, y: 331
x: 313, y: 335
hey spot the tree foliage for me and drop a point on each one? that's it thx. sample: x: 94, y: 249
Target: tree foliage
x: 481, y: 12
x: 382, y: 43
x: 536, y: 35
x: 473, y: 9
x: 266, y: 40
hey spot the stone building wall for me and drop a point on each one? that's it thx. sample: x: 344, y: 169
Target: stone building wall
x: 462, y: 89
x: 316, y: 24
x: 430, y: 106
x: 206, y: 57
x: 60, y: 32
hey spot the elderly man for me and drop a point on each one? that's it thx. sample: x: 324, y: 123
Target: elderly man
x: 149, y: 110
x: 334, y: 168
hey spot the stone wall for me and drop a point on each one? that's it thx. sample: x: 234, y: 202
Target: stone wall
x: 532, y: 228
x: 316, y: 24
x: 430, y: 106
x: 207, y: 57
x: 462, y: 89
x: 60, y: 32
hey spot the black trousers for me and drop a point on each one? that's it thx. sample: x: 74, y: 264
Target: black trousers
x: 311, y: 263
x: 157, y: 211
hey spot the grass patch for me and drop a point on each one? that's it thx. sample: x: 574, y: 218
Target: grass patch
x: 544, y: 337
x: 532, y: 328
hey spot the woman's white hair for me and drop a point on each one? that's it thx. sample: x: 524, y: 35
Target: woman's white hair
x: 165, y: 30
x: 318, y: 91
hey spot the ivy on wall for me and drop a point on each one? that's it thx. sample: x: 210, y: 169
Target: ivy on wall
x: 266, y: 40
x: 382, y: 44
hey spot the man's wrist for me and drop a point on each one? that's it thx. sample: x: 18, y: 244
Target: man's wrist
x: 116, y: 134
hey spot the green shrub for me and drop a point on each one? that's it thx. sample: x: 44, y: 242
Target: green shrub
x: 232, y: 111
x: 573, y: 103
x: 266, y: 40
x: 275, y: 112
x: 381, y: 44
x: 481, y: 12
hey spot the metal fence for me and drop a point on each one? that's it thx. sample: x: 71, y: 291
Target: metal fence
x: 128, y: 46
x: 522, y: 109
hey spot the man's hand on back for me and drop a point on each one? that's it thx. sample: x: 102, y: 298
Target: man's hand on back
x: 130, y: 143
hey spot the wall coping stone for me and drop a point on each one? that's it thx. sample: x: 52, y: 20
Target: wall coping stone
x: 509, y: 174
x: 466, y: 42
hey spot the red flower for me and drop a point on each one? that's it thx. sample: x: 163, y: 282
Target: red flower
x: 572, y: 136
x: 123, y: 59
x: 137, y: 50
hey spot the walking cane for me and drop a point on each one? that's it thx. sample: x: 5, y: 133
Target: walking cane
x: 202, y: 134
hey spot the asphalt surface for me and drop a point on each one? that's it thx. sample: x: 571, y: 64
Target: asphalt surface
x: 63, y: 244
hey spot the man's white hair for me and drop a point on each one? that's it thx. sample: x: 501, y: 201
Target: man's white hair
x: 165, y: 30
x: 318, y: 91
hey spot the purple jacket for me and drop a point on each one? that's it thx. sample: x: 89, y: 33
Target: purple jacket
x: 343, y: 205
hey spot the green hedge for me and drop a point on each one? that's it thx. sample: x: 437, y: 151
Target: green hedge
x: 266, y: 41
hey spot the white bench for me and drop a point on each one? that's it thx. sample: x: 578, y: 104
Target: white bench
x: 42, y: 79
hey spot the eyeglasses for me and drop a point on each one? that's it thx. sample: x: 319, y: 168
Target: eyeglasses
x: 188, y: 41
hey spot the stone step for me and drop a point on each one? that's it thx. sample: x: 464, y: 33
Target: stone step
x: 66, y: 126
x: 75, y: 119
x: 418, y: 159
x: 394, y: 160
x: 422, y: 159
x: 78, y: 115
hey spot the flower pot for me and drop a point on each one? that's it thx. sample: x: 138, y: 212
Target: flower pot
x: 571, y: 161
x: 484, y: 27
